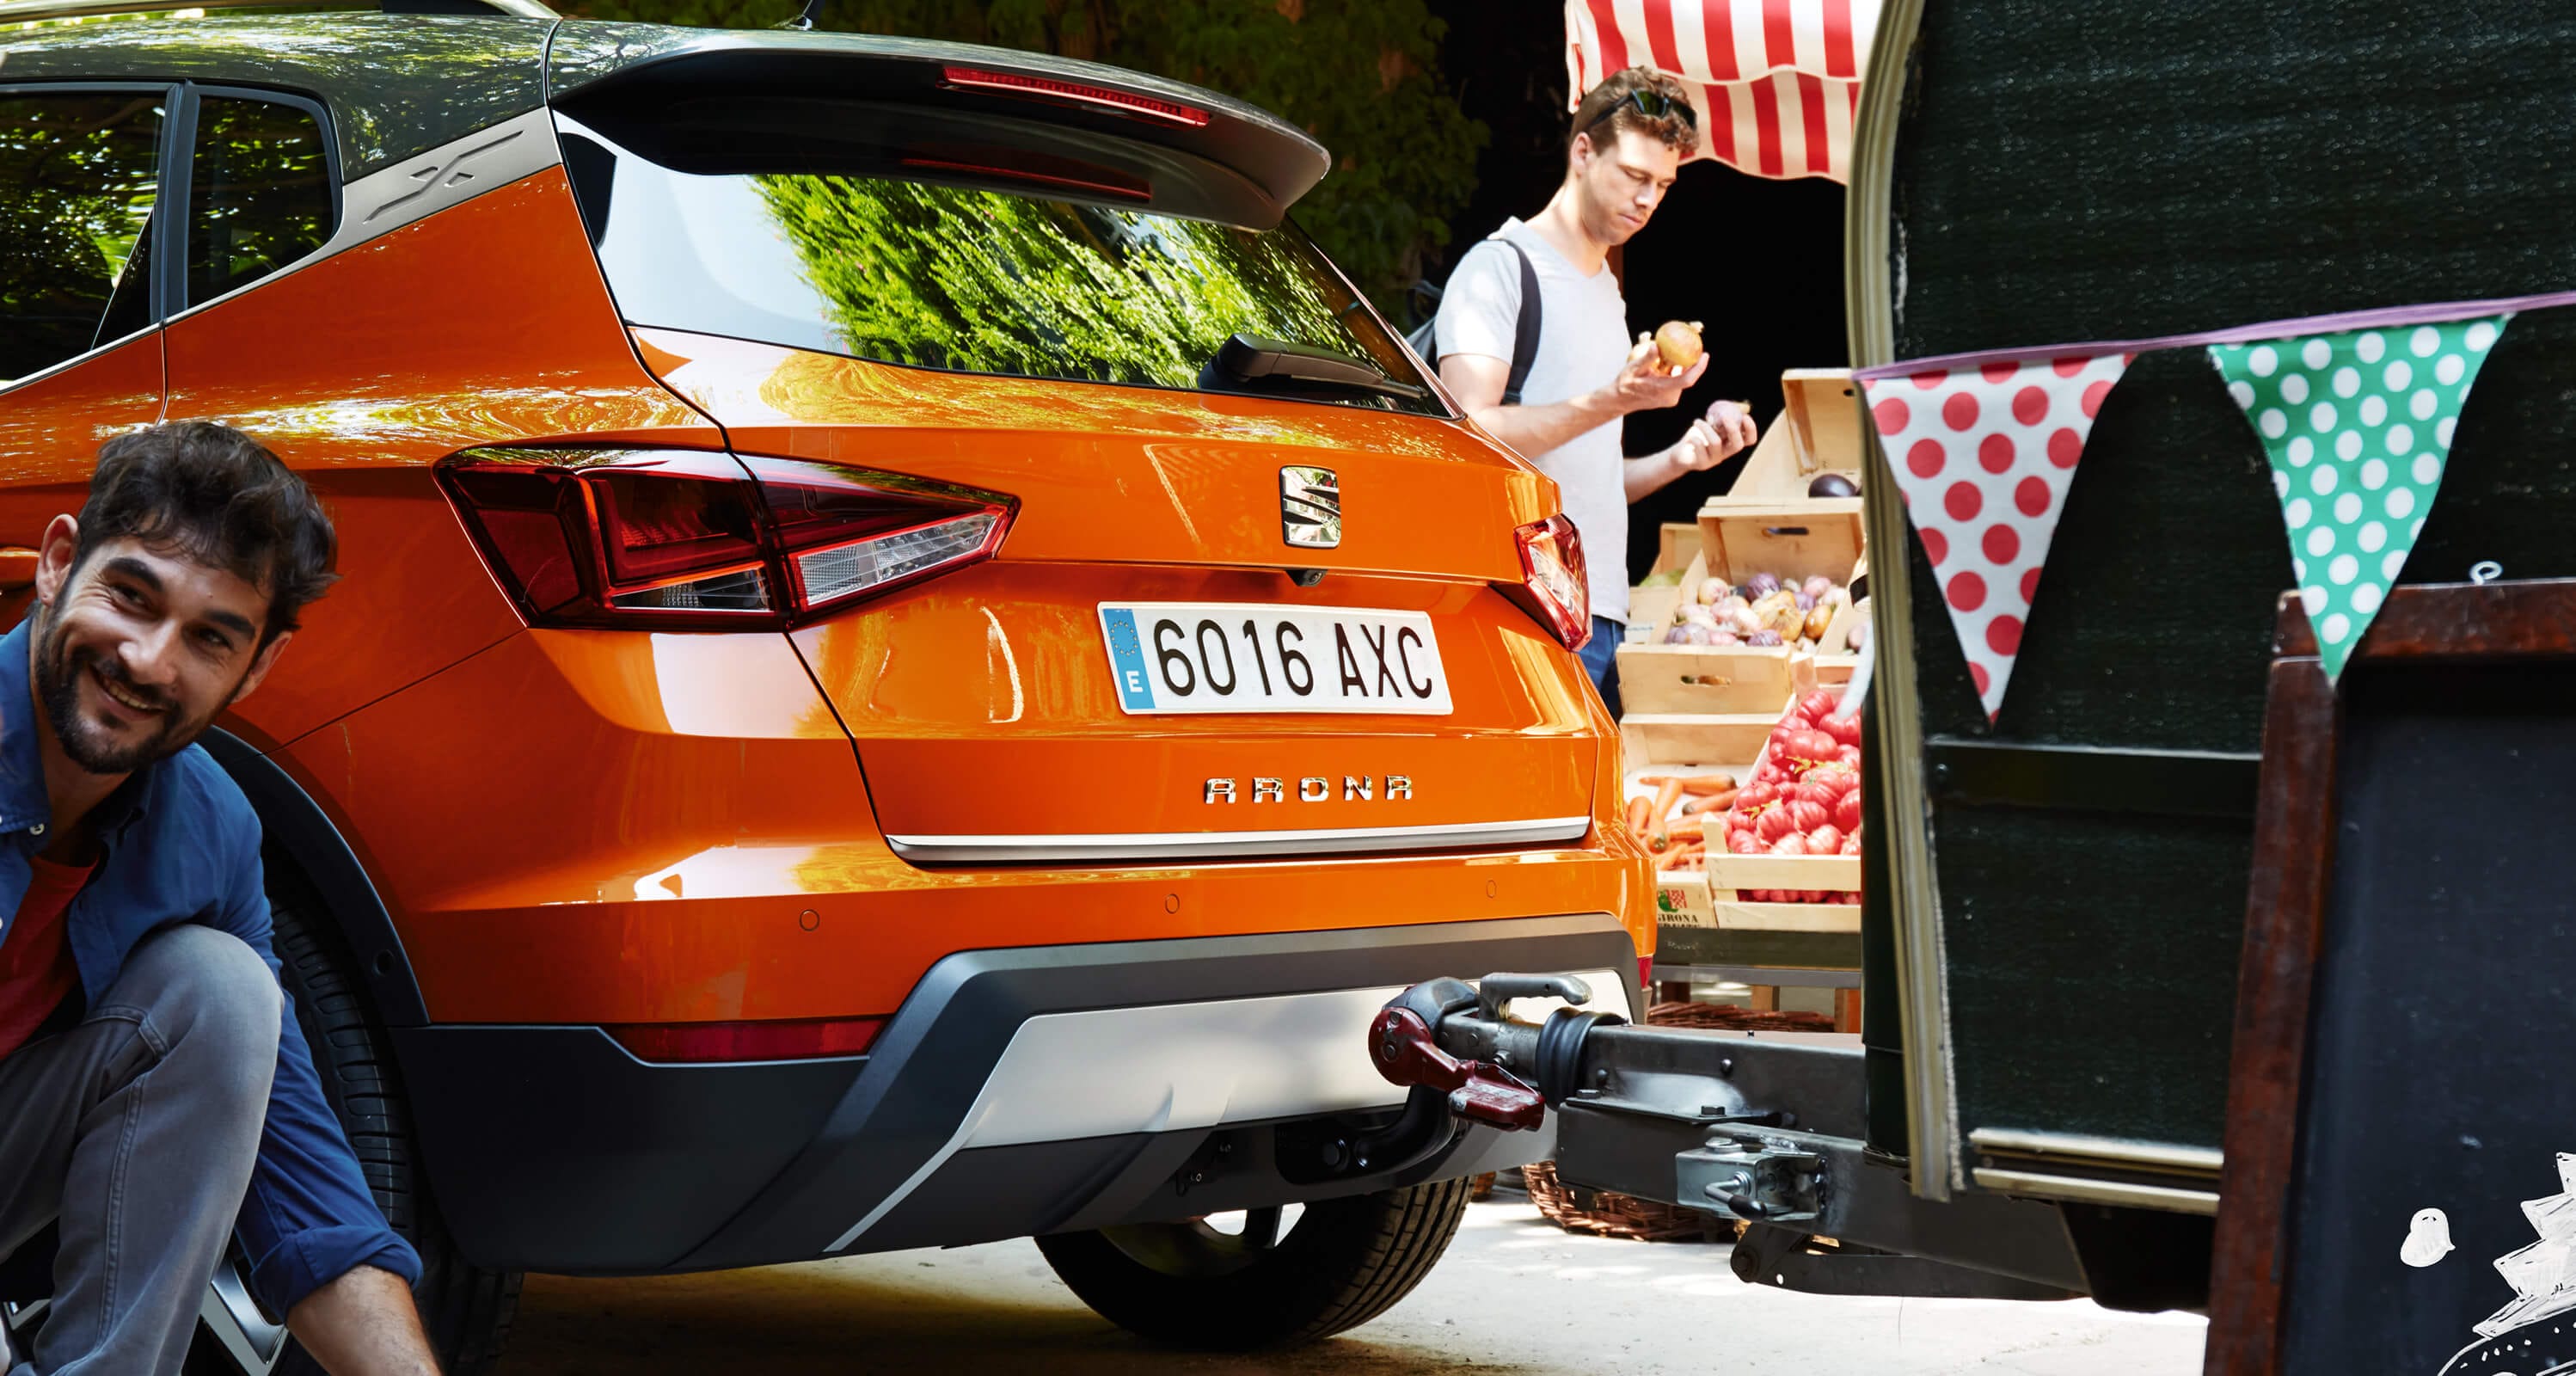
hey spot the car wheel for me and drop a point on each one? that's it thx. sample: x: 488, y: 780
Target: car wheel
x: 1274, y: 1282
x: 465, y: 1308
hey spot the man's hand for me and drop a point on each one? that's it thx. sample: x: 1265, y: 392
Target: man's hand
x: 363, y: 1324
x: 1720, y: 435
x: 1643, y: 385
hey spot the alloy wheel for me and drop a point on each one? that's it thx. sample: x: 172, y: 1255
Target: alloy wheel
x: 1213, y: 1245
x: 249, y: 1340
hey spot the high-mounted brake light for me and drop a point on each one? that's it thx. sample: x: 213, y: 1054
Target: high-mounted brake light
x: 1553, y: 588
x: 785, y: 1040
x: 675, y: 539
x: 1074, y: 92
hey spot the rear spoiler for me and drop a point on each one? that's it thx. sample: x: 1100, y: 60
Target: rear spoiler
x: 695, y: 87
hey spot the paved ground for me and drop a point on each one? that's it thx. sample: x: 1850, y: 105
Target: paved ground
x: 1514, y: 1295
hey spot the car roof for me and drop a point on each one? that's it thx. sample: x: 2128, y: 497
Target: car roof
x: 401, y: 84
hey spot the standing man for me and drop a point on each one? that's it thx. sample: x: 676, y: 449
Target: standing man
x: 1629, y: 138
x: 154, y: 1092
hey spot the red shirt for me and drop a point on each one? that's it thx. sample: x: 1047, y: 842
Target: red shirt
x: 36, y: 970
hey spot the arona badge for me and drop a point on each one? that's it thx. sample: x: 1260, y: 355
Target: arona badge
x: 1310, y: 507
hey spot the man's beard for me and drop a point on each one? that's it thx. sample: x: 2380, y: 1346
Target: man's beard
x: 58, y: 676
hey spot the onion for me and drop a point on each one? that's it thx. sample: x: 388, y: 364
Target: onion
x: 1764, y: 639
x: 1818, y: 586
x: 1678, y: 635
x: 1762, y: 585
x: 1679, y: 343
x: 1713, y: 591
x: 1805, y: 600
x: 1832, y: 485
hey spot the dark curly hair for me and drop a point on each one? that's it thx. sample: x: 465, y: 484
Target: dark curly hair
x: 218, y: 497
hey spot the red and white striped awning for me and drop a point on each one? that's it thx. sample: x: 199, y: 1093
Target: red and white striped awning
x: 1777, y: 82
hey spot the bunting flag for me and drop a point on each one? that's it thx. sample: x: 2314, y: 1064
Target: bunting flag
x: 1984, y: 454
x: 2358, y: 426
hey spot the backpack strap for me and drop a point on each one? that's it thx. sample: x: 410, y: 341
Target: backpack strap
x: 1525, y: 329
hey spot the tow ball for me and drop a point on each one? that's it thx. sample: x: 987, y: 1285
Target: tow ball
x: 1425, y: 1040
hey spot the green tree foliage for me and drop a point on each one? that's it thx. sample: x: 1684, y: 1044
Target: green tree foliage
x: 944, y: 277
x: 1362, y: 76
x: 78, y: 175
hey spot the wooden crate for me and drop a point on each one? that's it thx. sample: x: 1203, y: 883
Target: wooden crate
x: 1650, y: 610
x: 1704, y: 679
x: 1682, y: 738
x: 1796, y: 538
x: 1818, y: 432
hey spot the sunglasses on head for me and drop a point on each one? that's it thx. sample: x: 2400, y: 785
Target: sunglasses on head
x: 1653, y: 104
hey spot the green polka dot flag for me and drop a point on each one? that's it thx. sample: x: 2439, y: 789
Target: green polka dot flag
x: 2358, y: 425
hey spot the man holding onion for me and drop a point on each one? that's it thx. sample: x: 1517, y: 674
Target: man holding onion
x: 1629, y: 137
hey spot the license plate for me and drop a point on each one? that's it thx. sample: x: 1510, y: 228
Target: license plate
x: 1253, y: 657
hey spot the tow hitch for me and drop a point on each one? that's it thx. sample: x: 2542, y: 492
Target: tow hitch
x: 1762, y: 1127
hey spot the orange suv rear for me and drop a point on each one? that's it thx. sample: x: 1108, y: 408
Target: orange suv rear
x: 914, y: 661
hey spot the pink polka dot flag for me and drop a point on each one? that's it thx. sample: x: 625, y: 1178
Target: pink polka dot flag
x: 1984, y: 453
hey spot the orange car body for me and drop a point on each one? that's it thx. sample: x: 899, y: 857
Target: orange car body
x: 571, y: 829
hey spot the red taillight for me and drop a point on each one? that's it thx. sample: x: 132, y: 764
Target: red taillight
x: 685, y: 540
x: 746, y: 1041
x: 1646, y: 979
x: 1552, y: 586
x: 1074, y: 92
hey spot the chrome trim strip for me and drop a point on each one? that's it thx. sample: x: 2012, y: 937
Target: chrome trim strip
x: 2033, y: 1185
x: 2121, y: 1152
x: 1072, y: 848
x: 1187, y: 1067
x: 1872, y: 281
x: 418, y: 187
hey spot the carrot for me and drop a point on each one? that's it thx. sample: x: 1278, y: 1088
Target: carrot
x: 1700, y: 786
x: 1664, y: 799
x: 1714, y: 802
x: 1638, y: 816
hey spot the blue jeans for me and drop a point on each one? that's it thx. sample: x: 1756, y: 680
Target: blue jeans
x: 1601, y: 659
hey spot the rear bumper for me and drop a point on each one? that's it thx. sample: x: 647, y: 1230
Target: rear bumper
x: 1019, y: 1091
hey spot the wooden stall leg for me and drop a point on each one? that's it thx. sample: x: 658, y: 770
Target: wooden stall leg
x: 1847, y: 1010
x: 1766, y: 998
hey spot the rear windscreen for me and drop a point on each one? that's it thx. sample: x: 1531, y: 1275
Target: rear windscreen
x: 944, y: 273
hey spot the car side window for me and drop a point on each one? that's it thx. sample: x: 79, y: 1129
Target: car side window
x: 259, y: 192
x: 79, y: 172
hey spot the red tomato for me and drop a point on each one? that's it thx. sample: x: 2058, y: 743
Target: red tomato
x: 1812, y: 744
x: 1815, y: 896
x: 1791, y: 844
x: 1847, y: 897
x: 1825, y: 840
x: 1770, y: 772
x: 1851, y: 844
x: 1755, y: 797
x: 1849, y: 754
x: 1744, y: 843
x: 1793, y: 720
x: 1774, y: 823
x: 1847, y: 812
x: 1845, y: 732
x: 1805, y: 816
x: 1817, y: 705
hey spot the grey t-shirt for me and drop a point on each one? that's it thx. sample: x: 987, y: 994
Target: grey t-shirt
x: 1582, y: 343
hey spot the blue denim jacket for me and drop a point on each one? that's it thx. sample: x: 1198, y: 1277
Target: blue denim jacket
x: 182, y: 845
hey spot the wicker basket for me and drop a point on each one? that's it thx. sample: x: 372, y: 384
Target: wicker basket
x: 1736, y: 1019
x: 1611, y: 1214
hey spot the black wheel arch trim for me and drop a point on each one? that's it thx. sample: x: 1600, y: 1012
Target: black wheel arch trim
x: 294, y: 825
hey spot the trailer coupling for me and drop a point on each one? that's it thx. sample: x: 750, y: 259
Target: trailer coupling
x: 1762, y: 1127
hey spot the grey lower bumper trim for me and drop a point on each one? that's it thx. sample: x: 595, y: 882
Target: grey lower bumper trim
x: 1099, y: 848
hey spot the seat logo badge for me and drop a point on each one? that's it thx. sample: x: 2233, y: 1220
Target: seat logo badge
x: 1310, y: 507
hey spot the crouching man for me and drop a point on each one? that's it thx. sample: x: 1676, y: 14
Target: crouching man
x: 154, y: 1092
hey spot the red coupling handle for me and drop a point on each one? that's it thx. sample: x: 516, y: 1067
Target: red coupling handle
x: 1404, y: 1051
